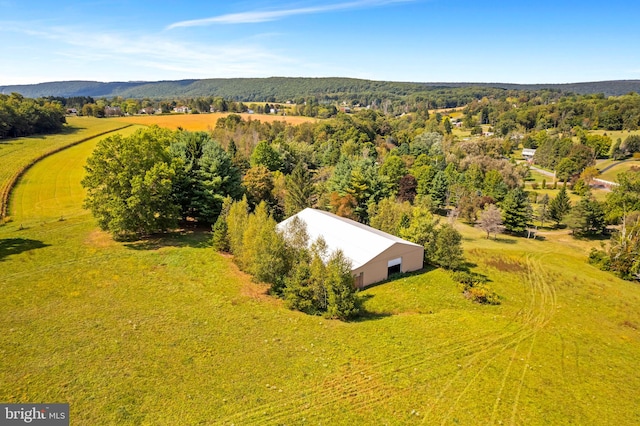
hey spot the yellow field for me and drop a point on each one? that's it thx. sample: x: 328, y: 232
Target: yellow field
x: 195, y: 122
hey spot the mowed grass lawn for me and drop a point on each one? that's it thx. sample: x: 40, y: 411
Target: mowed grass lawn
x: 17, y: 153
x: 166, y: 331
x: 195, y: 122
x: 621, y: 167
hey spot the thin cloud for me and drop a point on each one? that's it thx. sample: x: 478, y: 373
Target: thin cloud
x: 155, y: 56
x: 253, y: 17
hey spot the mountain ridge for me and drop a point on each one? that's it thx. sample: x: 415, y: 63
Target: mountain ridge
x: 282, y: 88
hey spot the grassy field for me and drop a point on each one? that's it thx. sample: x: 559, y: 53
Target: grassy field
x: 621, y: 167
x: 205, y: 121
x: 166, y: 331
x: 615, y: 134
x: 16, y: 154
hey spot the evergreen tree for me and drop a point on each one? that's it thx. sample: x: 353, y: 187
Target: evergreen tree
x: 587, y: 217
x: 343, y: 302
x: 220, y: 230
x: 439, y: 189
x: 299, y: 190
x: 516, y: 211
x: 559, y: 206
x: 543, y: 209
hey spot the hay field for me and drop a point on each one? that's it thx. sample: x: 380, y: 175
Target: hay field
x: 205, y: 121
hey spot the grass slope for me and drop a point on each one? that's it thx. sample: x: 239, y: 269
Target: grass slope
x: 166, y: 331
x: 621, y: 167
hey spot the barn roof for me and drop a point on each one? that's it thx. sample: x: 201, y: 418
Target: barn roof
x: 359, y: 242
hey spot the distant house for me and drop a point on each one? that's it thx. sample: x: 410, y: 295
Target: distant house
x: 110, y: 111
x: 528, y: 153
x: 374, y: 255
x: 147, y: 110
x: 181, y: 109
x: 72, y: 111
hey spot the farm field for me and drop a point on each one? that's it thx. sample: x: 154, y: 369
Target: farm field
x: 196, y: 122
x: 166, y: 331
x: 15, y: 154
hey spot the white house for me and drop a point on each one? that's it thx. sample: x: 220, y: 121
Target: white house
x: 374, y: 255
x: 528, y: 153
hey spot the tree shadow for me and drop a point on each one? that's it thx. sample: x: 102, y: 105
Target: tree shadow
x: 11, y: 246
x: 504, y: 240
x: 67, y: 129
x: 395, y: 277
x: 194, y: 238
x: 370, y: 316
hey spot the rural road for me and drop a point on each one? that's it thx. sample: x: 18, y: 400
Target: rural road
x: 543, y: 172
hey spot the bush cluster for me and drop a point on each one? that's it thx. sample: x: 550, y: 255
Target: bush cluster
x: 475, y: 287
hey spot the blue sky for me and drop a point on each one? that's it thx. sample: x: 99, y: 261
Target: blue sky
x: 401, y: 40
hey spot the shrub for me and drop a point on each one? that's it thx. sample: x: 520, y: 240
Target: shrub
x: 475, y: 287
x: 600, y: 259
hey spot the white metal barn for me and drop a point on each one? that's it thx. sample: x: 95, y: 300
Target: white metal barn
x: 374, y: 254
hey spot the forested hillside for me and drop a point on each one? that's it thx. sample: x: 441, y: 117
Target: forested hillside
x: 280, y: 89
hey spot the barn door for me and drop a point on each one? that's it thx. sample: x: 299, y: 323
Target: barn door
x: 394, y: 266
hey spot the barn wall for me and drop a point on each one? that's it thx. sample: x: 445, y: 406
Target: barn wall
x: 376, y: 269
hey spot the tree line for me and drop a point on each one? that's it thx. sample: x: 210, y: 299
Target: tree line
x: 20, y: 116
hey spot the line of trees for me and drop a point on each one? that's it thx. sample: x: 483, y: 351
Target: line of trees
x: 306, y: 276
x: 20, y: 116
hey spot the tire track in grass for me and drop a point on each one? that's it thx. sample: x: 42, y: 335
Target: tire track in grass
x: 329, y: 393
x: 526, y: 315
x: 537, y: 314
x: 536, y: 277
x: 367, y: 388
x: 347, y: 384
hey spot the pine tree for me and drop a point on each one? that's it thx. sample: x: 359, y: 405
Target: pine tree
x: 299, y: 190
x: 516, y: 211
x: 543, y: 210
x: 587, y: 217
x: 559, y: 206
x: 343, y: 302
x: 220, y: 237
x: 438, y: 190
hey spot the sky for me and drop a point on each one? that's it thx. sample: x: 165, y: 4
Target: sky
x: 544, y: 41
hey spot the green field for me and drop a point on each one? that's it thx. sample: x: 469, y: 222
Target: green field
x: 167, y: 331
x: 16, y: 154
x: 620, y: 167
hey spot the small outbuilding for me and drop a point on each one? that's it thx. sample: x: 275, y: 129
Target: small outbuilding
x: 528, y: 153
x: 374, y: 255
